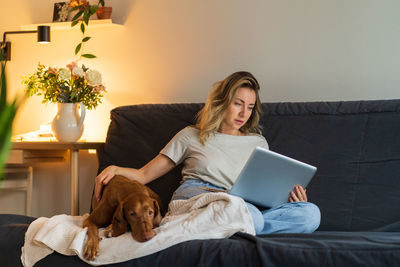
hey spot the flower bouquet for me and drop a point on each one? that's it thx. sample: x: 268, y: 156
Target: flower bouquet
x: 72, y: 84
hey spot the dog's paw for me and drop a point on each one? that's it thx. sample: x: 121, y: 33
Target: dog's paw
x: 108, y: 232
x: 91, y: 250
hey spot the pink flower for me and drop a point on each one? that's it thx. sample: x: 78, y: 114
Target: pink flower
x: 72, y: 65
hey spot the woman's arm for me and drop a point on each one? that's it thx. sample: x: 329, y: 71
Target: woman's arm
x: 157, y: 167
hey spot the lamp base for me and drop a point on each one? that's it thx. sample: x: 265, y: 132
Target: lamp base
x: 6, y: 50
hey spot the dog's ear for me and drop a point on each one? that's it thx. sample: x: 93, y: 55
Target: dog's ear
x: 156, y: 197
x: 119, y: 223
x: 157, y: 214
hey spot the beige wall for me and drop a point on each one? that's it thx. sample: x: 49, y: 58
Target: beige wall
x: 172, y: 51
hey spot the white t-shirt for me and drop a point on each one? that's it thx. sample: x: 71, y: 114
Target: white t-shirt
x: 218, y: 162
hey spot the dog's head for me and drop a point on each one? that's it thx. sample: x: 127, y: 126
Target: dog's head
x: 141, y: 212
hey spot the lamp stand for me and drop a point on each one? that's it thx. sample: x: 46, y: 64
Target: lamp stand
x: 43, y: 36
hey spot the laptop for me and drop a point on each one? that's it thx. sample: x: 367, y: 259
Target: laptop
x: 268, y: 177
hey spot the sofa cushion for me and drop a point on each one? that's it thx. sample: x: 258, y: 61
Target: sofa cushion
x: 356, y: 148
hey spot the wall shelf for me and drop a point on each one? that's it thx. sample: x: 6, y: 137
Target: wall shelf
x: 96, y: 23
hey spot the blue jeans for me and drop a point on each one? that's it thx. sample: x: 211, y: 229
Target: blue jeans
x: 295, y: 217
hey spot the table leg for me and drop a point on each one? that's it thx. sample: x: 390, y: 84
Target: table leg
x: 74, y: 181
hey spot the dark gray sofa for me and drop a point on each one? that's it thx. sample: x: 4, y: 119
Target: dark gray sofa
x: 354, y: 144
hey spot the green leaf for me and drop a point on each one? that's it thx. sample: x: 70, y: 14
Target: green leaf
x: 88, y: 56
x: 85, y: 39
x: 74, y: 23
x: 78, y: 48
x: 75, y: 8
x: 77, y: 15
x: 6, y: 118
x: 86, y: 17
x: 82, y: 28
x: 93, y: 9
x: 3, y: 93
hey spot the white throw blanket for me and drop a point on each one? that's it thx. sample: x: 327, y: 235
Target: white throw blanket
x: 206, y: 216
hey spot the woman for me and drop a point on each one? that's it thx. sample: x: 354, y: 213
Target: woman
x: 214, y: 151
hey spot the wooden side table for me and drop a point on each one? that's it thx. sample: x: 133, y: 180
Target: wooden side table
x: 23, y: 181
x: 32, y: 151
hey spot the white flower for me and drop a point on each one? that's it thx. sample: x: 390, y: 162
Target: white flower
x: 78, y: 72
x: 64, y: 74
x: 93, y: 77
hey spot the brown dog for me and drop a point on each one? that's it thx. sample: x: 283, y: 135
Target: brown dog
x: 124, y: 202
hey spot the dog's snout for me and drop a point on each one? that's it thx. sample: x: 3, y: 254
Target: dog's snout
x: 145, y: 236
x: 149, y: 235
x: 148, y: 231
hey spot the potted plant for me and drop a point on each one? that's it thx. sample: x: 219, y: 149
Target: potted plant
x: 7, y: 114
x: 83, y: 12
x: 103, y: 12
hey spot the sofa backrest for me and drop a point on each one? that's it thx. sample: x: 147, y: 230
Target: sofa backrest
x: 355, y: 145
x: 137, y: 133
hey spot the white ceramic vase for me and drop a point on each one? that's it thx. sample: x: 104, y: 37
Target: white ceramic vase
x: 67, y: 125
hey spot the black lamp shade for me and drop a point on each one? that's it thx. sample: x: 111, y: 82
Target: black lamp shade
x: 43, y: 34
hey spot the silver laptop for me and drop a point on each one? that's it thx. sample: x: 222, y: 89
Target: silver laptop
x: 268, y: 177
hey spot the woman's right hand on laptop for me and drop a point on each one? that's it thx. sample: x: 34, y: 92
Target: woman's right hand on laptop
x: 298, y: 194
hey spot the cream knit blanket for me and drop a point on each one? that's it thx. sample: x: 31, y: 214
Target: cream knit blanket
x: 206, y: 216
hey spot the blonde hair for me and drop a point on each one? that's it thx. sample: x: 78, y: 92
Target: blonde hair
x: 211, y: 115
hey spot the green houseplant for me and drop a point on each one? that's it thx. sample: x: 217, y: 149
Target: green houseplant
x: 83, y: 12
x: 7, y: 114
x: 103, y: 12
